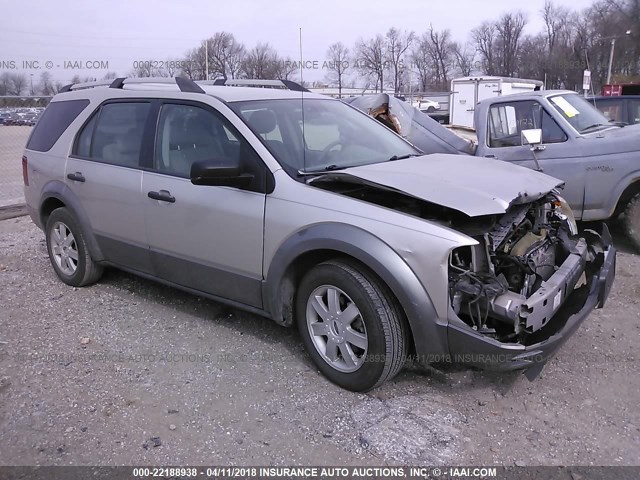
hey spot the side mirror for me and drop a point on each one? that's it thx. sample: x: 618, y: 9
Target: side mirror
x: 531, y: 137
x: 211, y: 173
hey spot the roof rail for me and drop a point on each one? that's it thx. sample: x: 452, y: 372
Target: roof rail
x: 184, y: 84
x: 286, y: 84
x: 83, y: 85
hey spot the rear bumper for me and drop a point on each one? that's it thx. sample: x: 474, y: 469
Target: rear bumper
x: 468, y: 346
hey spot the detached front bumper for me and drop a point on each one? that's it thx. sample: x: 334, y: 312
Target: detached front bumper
x: 468, y: 346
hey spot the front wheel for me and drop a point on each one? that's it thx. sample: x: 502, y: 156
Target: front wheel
x: 631, y: 221
x: 68, y: 250
x: 350, y: 325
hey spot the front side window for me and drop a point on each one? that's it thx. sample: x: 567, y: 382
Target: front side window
x: 315, y: 134
x: 508, y: 120
x: 188, y: 134
x: 114, y: 134
x: 612, y: 110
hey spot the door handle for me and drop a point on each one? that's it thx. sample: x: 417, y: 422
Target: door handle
x: 76, y: 177
x: 490, y: 156
x: 162, y: 195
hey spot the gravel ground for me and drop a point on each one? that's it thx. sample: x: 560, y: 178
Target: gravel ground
x: 131, y: 372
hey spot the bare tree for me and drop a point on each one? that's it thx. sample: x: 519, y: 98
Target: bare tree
x: 440, y: 48
x: 485, y: 41
x: 263, y: 62
x: 193, y: 64
x: 397, y: 44
x: 148, y: 69
x: 225, y: 55
x: 498, y: 43
x: 45, y: 86
x: 338, y: 64
x: 17, y: 84
x: 421, y: 61
x: 284, y: 69
x: 510, y: 27
x: 464, y: 56
x: 370, y: 59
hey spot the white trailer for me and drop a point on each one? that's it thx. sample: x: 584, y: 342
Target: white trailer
x: 466, y: 92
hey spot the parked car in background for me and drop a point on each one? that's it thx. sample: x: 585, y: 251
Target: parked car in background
x: 4, y: 116
x: 621, y: 109
x: 301, y: 208
x: 13, y: 119
x: 554, y: 131
x: 426, y: 106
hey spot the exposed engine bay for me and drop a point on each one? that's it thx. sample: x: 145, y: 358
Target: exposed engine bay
x: 526, y: 263
x: 511, y: 285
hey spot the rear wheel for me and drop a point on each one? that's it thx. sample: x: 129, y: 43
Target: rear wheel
x: 350, y: 325
x: 631, y: 220
x: 68, y: 250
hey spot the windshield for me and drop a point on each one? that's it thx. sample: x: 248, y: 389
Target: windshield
x: 335, y: 135
x: 582, y: 116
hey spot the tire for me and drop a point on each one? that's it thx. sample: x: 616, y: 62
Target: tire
x: 431, y: 109
x: 631, y: 221
x: 369, y: 346
x: 68, y: 250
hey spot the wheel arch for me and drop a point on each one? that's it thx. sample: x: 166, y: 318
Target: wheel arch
x: 320, y: 242
x: 630, y: 191
x: 56, y: 194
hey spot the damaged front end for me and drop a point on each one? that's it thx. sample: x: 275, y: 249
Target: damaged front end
x: 529, y: 281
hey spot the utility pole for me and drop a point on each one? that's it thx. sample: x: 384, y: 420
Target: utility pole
x: 613, y: 46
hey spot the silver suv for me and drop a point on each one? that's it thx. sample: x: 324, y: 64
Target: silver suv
x: 303, y: 209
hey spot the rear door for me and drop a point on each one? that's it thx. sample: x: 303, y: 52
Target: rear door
x: 208, y: 238
x: 104, y: 172
x: 463, y: 101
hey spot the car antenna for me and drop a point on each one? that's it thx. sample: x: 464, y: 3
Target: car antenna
x: 304, y: 143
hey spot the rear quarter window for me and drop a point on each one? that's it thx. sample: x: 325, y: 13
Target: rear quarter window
x: 54, y: 121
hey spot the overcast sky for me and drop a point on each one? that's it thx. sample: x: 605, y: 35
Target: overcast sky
x: 120, y: 32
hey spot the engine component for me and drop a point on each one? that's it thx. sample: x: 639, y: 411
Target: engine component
x: 514, y: 281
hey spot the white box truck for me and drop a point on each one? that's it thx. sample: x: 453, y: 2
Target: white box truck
x: 466, y: 92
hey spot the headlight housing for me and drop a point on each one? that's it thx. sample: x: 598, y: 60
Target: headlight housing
x: 565, y: 210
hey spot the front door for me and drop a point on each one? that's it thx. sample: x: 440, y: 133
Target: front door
x: 208, y: 238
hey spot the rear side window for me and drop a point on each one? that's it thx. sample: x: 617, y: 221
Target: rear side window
x: 114, y: 134
x: 55, y: 120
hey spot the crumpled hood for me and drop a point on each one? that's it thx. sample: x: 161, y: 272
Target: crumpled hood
x: 472, y: 185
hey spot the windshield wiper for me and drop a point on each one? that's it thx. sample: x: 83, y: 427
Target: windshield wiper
x: 402, y: 157
x: 595, y: 125
x: 328, y: 168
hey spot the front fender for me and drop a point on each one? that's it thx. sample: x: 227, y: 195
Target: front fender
x: 60, y: 191
x: 429, y: 332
